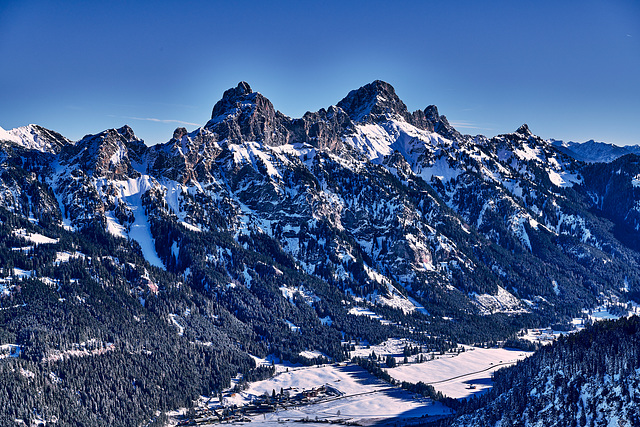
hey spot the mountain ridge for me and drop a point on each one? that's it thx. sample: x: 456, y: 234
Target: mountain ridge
x: 595, y: 152
x: 383, y: 126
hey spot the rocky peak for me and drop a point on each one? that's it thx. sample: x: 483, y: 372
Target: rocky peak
x: 432, y: 121
x: 127, y: 133
x: 135, y: 146
x: 322, y: 129
x: 179, y: 133
x: 107, y: 154
x: 372, y: 102
x: 524, y: 131
x: 232, y: 99
x: 431, y: 113
x: 243, y: 115
x: 523, y: 138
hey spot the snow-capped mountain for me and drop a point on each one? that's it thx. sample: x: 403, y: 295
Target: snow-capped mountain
x: 594, y: 152
x: 386, y: 204
x: 235, y: 231
x: 34, y: 137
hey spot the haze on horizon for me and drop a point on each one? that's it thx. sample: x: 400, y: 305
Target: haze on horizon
x: 570, y: 70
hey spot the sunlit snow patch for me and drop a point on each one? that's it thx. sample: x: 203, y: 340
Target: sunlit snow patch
x: 562, y: 178
x: 131, y: 192
x: 378, y: 140
x: 172, y: 318
x: 34, y: 238
x: 293, y: 327
x: 462, y: 375
x: 289, y: 293
x: 361, y: 311
x: 313, y: 354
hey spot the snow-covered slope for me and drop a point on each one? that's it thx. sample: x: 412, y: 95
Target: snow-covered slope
x: 260, y: 233
x: 590, y: 378
x: 34, y: 137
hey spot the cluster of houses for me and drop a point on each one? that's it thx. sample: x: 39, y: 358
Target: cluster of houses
x: 264, y: 404
x: 543, y: 334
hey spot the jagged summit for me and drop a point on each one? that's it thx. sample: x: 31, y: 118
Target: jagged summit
x: 431, y: 120
x: 244, y: 115
x: 524, y: 130
x: 378, y: 101
x: 243, y: 87
x: 372, y: 102
x: 179, y: 133
x: 107, y: 154
x: 431, y: 112
x: 127, y: 133
x: 232, y: 98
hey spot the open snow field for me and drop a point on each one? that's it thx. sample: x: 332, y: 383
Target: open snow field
x: 454, y: 375
x: 449, y: 373
x: 364, y: 397
x: 367, y: 400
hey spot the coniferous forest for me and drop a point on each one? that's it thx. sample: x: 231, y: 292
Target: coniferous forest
x: 591, y: 378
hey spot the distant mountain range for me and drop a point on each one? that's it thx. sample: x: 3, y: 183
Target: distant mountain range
x: 595, y: 152
x: 262, y: 234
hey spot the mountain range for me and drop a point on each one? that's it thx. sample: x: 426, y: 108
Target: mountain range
x: 594, y: 152
x: 262, y: 234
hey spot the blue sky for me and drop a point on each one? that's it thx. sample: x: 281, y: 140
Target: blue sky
x: 570, y: 69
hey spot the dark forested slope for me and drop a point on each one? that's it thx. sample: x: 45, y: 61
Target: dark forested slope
x: 591, y: 378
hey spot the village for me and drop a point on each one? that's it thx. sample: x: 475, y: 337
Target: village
x: 267, y: 403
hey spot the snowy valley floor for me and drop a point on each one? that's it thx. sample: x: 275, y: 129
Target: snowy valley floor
x: 367, y: 400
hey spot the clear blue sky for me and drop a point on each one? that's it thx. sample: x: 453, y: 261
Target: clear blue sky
x: 570, y: 69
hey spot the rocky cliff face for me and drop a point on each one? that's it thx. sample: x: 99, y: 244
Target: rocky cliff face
x: 243, y: 115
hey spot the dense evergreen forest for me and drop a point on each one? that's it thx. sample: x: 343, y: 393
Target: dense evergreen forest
x: 107, y: 339
x: 590, y: 378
